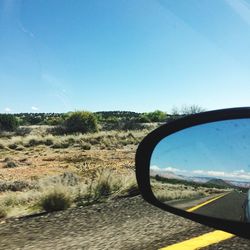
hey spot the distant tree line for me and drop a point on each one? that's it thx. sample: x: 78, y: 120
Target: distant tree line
x: 102, y: 116
x: 195, y: 184
x: 40, y: 118
x: 82, y: 121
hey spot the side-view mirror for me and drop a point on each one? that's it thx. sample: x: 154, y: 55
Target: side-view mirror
x: 198, y: 167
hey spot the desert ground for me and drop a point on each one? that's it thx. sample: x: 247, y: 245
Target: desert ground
x: 87, y: 168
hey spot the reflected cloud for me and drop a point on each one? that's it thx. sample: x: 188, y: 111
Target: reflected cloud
x: 167, y: 169
x: 235, y: 175
x: 239, y: 174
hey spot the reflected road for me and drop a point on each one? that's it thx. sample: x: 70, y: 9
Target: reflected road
x: 230, y: 207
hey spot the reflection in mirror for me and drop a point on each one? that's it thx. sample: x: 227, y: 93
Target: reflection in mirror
x: 205, y: 169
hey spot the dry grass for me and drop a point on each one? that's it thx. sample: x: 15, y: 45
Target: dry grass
x: 104, y: 184
x: 167, y: 192
x: 101, y: 140
x: 3, y: 212
x: 62, y: 191
x: 80, y: 168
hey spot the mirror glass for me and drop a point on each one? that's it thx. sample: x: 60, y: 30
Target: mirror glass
x: 205, y: 169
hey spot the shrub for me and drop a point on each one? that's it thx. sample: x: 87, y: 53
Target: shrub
x: 57, y: 130
x: 65, y: 179
x: 12, y: 146
x: 132, y: 190
x: 81, y: 122
x: 108, y: 183
x: 10, y: 164
x: 129, y: 187
x: 132, y: 125
x: 33, y: 142
x: 85, y: 146
x: 61, y: 144
x: 48, y: 142
x: 103, y: 188
x: 2, y: 145
x: 8, y: 122
x: 56, y: 200
x: 19, y: 185
x: 23, y: 131
x: 13, y: 186
x: 3, y: 212
x: 53, y: 121
x: 143, y: 118
x: 101, y: 185
x: 155, y: 116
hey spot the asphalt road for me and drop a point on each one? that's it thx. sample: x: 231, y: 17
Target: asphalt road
x: 127, y: 223
x: 230, y: 207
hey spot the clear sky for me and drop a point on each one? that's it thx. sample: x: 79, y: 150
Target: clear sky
x: 218, y: 149
x: 62, y: 55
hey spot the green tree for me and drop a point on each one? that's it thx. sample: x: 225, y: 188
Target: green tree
x: 143, y: 118
x: 81, y: 122
x: 155, y: 116
x: 8, y: 122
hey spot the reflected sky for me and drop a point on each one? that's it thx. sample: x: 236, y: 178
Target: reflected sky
x: 218, y: 149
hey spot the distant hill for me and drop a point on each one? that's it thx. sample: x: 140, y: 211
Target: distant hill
x: 220, y: 182
x: 166, y: 174
x: 198, y: 179
x: 242, y: 184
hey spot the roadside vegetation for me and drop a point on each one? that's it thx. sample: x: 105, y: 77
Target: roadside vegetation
x: 51, y: 162
x: 171, y: 189
x: 60, y: 192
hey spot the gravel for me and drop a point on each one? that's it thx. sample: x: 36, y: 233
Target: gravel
x: 128, y: 223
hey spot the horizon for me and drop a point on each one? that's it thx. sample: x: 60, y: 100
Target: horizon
x: 218, y: 149
x: 211, y: 174
x: 99, y: 111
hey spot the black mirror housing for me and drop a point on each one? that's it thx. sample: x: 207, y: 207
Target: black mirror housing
x: 148, y: 144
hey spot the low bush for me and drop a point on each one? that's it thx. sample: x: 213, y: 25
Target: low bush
x: 155, y: 116
x: 81, y: 122
x: 3, y: 212
x: 14, y: 186
x: 23, y: 131
x: 66, y: 179
x: 13, y: 146
x: 85, y: 146
x: 61, y: 144
x: 55, y: 200
x: 132, y: 190
x: 11, y: 200
x: 10, y: 164
x: 33, y: 142
x: 48, y: 142
x: 8, y: 122
x: 2, y: 145
x: 103, y: 188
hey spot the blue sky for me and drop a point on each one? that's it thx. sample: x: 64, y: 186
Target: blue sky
x: 218, y: 149
x: 62, y: 55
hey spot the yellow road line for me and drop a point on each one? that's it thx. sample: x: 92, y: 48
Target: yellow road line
x: 205, y: 203
x: 203, y: 240
x: 200, y: 241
